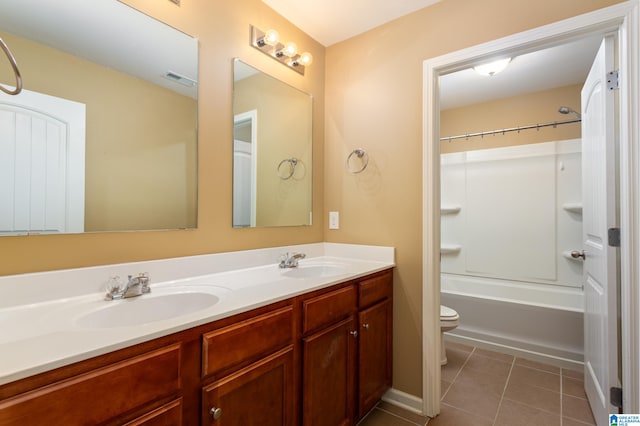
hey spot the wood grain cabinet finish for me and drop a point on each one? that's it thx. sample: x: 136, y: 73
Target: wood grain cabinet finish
x: 167, y: 415
x: 328, y: 308
x: 261, y: 394
x: 374, y: 355
x: 328, y: 375
x: 321, y: 358
x: 375, y: 344
x: 98, y: 396
x: 246, y: 341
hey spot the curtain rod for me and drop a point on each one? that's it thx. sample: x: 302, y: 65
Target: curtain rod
x: 512, y: 129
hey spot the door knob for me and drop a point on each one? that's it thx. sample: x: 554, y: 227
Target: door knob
x: 578, y: 254
x: 216, y: 413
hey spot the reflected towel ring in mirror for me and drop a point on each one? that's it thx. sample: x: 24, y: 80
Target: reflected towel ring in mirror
x: 16, y: 71
x: 293, y: 162
x: 360, y: 153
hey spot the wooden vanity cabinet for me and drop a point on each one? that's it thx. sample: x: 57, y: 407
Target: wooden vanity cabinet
x: 329, y: 347
x: 346, y: 350
x: 321, y: 358
x: 130, y: 388
x: 250, y: 369
x: 375, y: 344
x: 259, y: 394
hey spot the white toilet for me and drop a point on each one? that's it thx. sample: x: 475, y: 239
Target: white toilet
x: 448, y: 321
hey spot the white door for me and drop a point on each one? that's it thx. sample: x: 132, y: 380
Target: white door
x: 242, y: 183
x: 599, y: 214
x: 42, y: 162
x: 245, y: 152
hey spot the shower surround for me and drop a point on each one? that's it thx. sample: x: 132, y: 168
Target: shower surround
x: 510, y: 219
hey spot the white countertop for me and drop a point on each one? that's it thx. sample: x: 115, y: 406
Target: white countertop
x: 42, y: 331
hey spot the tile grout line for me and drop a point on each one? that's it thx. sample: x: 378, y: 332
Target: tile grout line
x: 504, y: 390
x: 458, y: 373
x: 400, y: 417
x: 561, y: 398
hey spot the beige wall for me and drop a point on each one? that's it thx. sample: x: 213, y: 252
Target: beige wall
x: 137, y: 176
x: 284, y: 131
x: 524, y: 110
x: 374, y: 101
x: 223, y: 32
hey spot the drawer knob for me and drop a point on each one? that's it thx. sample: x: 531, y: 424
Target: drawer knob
x: 216, y: 413
x: 354, y: 333
x: 365, y: 326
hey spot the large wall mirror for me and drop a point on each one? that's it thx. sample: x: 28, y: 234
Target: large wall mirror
x: 103, y: 136
x: 272, y: 147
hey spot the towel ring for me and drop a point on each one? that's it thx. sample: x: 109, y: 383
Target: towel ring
x: 16, y: 71
x: 359, y: 152
x: 293, y: 162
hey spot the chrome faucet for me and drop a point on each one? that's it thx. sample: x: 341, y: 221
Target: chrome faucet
x: 135, y: 286
x: 291, y: 261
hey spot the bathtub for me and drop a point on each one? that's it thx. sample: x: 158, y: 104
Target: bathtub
x: 529, y: 320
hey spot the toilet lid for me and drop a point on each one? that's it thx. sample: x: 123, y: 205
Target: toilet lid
x: 447, y: 312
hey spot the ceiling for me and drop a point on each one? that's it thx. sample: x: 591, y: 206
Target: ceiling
x: 328, y: 21
x: 558, y: 66
x: 109, y: 33
x: 332, y: 21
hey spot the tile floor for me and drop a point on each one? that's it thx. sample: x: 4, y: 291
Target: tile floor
x: 485, y: 388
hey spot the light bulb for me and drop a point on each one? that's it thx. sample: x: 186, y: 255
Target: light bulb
x: 305, y: 59
x: 492, y: 68
x: 271, y: 37
x: 290, y: 49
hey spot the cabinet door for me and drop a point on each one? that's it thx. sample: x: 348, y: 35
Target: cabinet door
x: 261, y: 394
x: 328, y: 378
x: 374, y: 363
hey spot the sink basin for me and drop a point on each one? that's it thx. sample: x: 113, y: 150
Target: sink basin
x: 312, y: 271
x: 146, y: 309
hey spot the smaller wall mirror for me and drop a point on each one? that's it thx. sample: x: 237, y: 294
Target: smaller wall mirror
x: 272, y: 151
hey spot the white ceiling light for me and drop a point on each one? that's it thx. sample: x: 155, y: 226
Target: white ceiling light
x: 492, y: 68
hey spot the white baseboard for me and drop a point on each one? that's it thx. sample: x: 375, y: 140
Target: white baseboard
x: 403, y: 400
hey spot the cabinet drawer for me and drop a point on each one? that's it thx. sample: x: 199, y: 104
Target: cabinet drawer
x: 246, y: 341
x: 328, y: 308
x: 167, y: 415
x: 99, y: 395
x: 375, y: 289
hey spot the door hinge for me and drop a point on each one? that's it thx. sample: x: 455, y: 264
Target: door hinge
x: 613, y: 80
x: 615, y: 397
x: 614, y: 237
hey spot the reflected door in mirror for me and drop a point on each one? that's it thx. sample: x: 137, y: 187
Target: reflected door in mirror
x: 273, y: 187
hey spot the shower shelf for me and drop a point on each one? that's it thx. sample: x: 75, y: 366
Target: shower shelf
x: 573, y: 207
x: 450, y: 209
x: 450, y: 249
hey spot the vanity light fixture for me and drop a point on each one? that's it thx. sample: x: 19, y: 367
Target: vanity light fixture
x: 492, y: 68
x: 268, y: 42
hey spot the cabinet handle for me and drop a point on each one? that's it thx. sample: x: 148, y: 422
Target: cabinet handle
x: 365, y: 326
x: 354, y: 333
x: 216, y: 413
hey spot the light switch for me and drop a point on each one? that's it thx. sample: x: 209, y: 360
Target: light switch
x: 334, y: 220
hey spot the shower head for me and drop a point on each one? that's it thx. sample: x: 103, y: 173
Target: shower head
x: 567, y: 110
